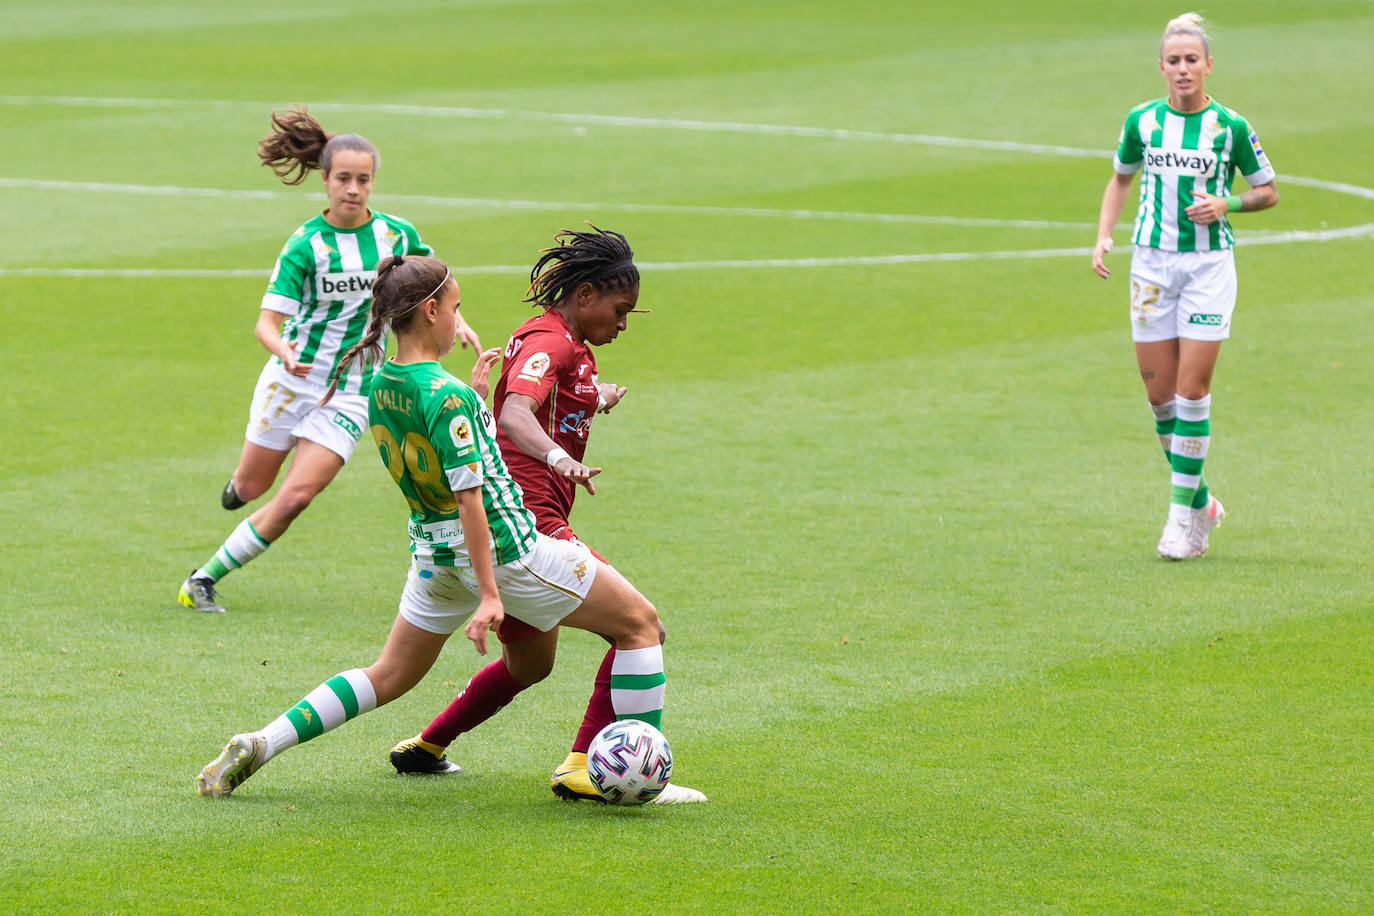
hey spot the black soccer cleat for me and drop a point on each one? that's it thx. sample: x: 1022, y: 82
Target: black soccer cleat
x: 229, y: 499
x: 416, y: 756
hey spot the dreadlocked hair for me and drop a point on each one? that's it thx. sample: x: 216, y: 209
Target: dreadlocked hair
x: 298, y: 145
x: 403, y: 284
x: 600, y: 257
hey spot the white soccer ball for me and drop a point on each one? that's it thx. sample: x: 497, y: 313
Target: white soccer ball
x: 629, y: 762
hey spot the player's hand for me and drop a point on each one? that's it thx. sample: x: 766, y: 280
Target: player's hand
x: 577, y: 473
x: 485, y: 619
x: 1206, y: 208
x: 610, y: 395
x: 1104, y: 245
x: 481, y: 371
x: 466, y: 335
x: 300, y: 370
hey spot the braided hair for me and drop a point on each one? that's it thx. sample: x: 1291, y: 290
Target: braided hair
x: 403, y: 284
x: 600, y: 257
x: 299, y: 145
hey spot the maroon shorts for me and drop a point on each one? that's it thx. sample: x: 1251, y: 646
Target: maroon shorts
x: 512, y: 630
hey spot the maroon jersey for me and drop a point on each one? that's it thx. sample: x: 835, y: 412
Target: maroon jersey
x: 544, y: 362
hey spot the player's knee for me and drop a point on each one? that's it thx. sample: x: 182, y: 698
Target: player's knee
x: 292, y: 501
x: 644, y: 622
x: 528, y: 668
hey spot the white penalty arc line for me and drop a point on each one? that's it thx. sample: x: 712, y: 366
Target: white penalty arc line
x: 98, y: 187
x: 1324, y: 235
x: 581, y: 119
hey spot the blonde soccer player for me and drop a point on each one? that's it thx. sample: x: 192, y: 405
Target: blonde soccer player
x: 1188, y: 148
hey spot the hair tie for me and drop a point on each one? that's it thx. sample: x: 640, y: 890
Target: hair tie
x: 398, y: 260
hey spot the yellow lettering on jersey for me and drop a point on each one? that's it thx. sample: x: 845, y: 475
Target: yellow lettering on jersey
x: 391, y: 400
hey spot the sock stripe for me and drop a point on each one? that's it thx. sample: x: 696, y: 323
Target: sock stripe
x: 344, y: 691
x: 306, y: 720
x: 654, y: 718
x: 637, y: 681
x: 262, y: 540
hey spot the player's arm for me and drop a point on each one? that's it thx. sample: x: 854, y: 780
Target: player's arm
x: 518, y: 421
x: 268, y: 333
x: 1209, y: 208
x: 1113, y: 200
x: 472, y: 515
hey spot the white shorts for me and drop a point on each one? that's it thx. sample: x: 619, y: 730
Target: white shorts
x: 286, y: 408
x: 1182, y: 294
x: 541, y: 588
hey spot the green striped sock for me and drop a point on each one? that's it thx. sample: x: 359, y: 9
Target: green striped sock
x: 344, y: 696
x: 637, y: 682
x: 1165, y: 415
x: 243, y: 544
x: 1191, y: 440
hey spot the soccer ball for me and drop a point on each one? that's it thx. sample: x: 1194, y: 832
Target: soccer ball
x: 629, y: 762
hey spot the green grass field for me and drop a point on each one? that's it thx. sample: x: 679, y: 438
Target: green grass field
x: 885, y: 466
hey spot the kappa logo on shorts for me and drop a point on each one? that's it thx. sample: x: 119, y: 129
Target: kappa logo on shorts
x: 580, y: 570
x: 348, y: 426
x: 1200, y: 318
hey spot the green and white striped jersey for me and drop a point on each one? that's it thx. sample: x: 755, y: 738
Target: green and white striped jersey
x: 436, y: 436
x: 1180, y: 152
x: 323, y: 281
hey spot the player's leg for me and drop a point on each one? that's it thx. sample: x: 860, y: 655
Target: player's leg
x: 527, y: 657
x: 253, y: 476
x: 1206, y: 306
x: 408, y: 654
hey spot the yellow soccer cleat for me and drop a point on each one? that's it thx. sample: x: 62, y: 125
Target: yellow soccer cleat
x: 570, y: 781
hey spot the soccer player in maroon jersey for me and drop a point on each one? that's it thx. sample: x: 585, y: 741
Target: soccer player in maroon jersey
x: 544, y: 402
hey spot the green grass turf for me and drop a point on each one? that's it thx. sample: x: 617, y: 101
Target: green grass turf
x: 899, y: 519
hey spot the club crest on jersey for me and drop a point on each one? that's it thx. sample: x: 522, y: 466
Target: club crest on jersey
x: 534, y: 368
x: 460, y: 430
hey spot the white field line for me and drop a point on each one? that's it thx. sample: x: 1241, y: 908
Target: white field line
x: 1324, y: 235
x: 480, y: 203
x: 827, y: 133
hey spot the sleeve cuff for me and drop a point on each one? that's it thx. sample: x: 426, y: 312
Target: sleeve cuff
x: 1126, y: 168
x: 275, y: 302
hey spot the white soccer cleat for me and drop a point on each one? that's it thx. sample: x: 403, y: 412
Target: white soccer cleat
x: 678, y: 795
x: 243, y: 756
x: 1175, y: 543
x: 1204, y: 520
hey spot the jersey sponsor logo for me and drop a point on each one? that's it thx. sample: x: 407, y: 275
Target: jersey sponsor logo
x: 579, y: 424
x: 1203, y: 318
x: 488, y: 421
x: 534, y: 368
x: 1187, y: 163
x: 584, y: 388
x: 348, y: 426
x: 347, y: 284
x: 460, y: 430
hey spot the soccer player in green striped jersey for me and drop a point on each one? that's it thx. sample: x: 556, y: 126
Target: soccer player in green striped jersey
x: 476, y: 554
x: 1188, y: 148
x: 314, y: 311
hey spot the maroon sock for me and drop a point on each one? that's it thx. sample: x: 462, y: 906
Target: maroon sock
x: 600, y: 713
x: 489, y: 690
